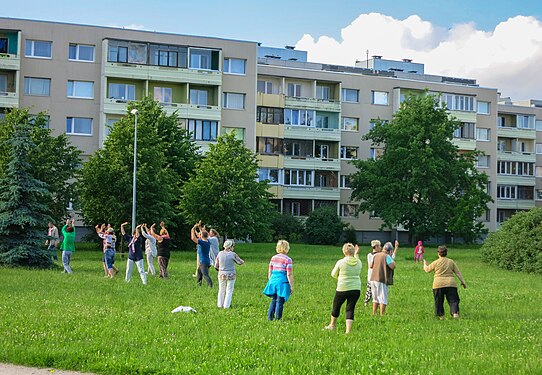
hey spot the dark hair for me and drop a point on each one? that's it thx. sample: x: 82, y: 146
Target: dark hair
x: 204, y: 234
x: 69, y: 229
x: 442, y: 250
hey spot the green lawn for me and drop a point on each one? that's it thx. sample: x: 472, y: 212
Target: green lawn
x: 85, y: 322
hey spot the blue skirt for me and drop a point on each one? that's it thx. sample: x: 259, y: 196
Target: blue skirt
x: 278, y: 284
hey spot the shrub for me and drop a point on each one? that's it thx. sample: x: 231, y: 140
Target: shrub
x: 517, y: 245
x: 349, y: 234
x: 323, y: 227
x: 287, y: 227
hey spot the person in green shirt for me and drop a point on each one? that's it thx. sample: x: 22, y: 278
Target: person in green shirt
x: 68, y: 244
x: 347, y: 272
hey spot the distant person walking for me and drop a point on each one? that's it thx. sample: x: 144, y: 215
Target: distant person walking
x: 347, y: 272
x: 225, y: 264
x: 280, y: 284
x: 53, y: 238
x: 444, y: 284
x: 68, y: 244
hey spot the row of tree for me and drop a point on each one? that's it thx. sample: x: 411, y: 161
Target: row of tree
x: 420, y: 181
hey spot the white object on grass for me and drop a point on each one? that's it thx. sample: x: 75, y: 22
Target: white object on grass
x: 185, y: 309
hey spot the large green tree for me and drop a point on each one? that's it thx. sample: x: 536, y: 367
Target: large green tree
x: 421, y: 180
x: 224, y: 192
x: 54, y: 160
x: 166, y: 155
x: 24, y: 212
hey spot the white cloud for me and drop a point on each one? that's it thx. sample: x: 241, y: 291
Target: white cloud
x: 506, y: 58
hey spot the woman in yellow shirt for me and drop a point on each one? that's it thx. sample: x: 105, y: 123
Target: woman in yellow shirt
x: 444, y: 284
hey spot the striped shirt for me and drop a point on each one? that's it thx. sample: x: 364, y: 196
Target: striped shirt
x: 281, y: 262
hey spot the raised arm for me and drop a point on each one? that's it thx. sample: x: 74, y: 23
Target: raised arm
x: 395, y: 250
x: 122, y: 231
x: 193, y: 235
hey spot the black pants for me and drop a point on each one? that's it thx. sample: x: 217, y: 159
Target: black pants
x: 451, y: 296
x: 351, y: 296
x: 203, y: 273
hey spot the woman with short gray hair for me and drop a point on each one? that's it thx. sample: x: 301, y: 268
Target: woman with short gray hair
x: 225, y: 265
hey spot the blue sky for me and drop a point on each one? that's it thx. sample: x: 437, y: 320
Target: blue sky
x: 498, y: 42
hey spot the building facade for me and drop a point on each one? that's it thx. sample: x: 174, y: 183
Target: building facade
x: 305, y: 120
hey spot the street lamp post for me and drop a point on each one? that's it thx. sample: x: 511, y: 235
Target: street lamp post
x: 134, y: 112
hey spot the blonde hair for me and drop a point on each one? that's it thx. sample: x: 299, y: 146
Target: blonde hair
x: 348, y: 249
x: 283, y: 247
x: 375, y: 243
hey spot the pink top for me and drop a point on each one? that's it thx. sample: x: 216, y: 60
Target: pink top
x: 419, y: 250
x: 281, y: 263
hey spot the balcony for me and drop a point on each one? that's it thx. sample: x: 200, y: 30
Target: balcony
x: 513, y: 132
x: 270, y: 100
x: 300, y: 192
x: 516, y: 156
x: 162, y: 73
x: 519, y: 204
x: 465, y: 144
x: 10, y: 61
x: 503, y: 179
x: 312, y: 104
x: 192, y: 111
x: 295, y: 162
x: 309, y: 132
x: 9, y: 99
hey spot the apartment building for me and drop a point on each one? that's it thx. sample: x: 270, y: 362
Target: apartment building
x: 304, y: 119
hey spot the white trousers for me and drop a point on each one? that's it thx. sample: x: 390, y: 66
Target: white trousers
x: 140, y: 269
x: 225, y: 293
x: 150, y: 264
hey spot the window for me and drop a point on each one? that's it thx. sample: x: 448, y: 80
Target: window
x: 121, y: 91
x: 81, y: 52
x: 380, y: 97
x: 482, y: 161
x: 526, y: 192
x: 299, y: 117
x: 127, y: 52
x: 203, y: 59
x: 375, y: 153
x: 199, y: 97
x: 109, y: 125
x: 516, y: 168
x: 349, y: 124
x: 166, y: 55
x: 483, y: 108
x: 348, y: 152
x: 41, y: 119
x: 348, y: 210
x: 294, y: 89
x: 164, y: 95
x: 4, y: 45
x: 482, y: 134
x: 297, y: 177
x: 37, y: 86
x: 232, y: 100
x: 323, y: 121
x: 458, y: 102
x: 38, y: 48
x: 506, y: 192
x: 265, y: 86
x: 298, y: 148
x: 539, y: 148
x: 79, y: 126
x: 525, y: 122
x: 268, y: 145
x: 270, y: 174
x: 80, y: 89
x: 345, y: 181
x: 3, y: 82
x: 538, y: 194
x: 238, y: 132
x: 323, y: 92
x: 350, y: 95
x: 465, y: 131
x: 269, y: 115
x: 203, y: 130
x: 234, y: 66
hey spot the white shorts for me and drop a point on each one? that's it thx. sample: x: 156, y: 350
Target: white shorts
x: 380, y: 292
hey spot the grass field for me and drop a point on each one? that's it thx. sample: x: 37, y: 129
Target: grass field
x: 85, y: 322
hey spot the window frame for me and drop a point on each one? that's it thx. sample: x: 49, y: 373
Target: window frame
x: 73, y: 90
x: 72, y: 132
x: 29, y: 80
x: 230, y: 59
x: 77, y: 52
x: 343, y: 95
x: 32, y: 49
x: 226, y: 104
x: 375, y: 94
x: 126, y: 91
x: 343, y: 128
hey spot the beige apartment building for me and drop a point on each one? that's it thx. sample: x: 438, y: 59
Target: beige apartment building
x: 304, y: 119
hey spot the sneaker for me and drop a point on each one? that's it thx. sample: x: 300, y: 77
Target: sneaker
x: 329, y: 328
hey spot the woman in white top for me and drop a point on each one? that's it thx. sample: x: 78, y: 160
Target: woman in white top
x: 225, y: 264
x: 150, y: 248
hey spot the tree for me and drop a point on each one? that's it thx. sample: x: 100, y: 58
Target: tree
x: 54, y: 160
x: 166, y: 156
x: 23, y: 204
x: 224, y: 191
x: 422, y: 181
x: 323, y: 226
x: 286, y: 227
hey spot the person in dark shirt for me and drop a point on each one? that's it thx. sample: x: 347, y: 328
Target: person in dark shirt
x: 136, y: 243
x: 200, y: 237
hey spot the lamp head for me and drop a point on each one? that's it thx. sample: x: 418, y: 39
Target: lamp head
x: 134, y: 111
